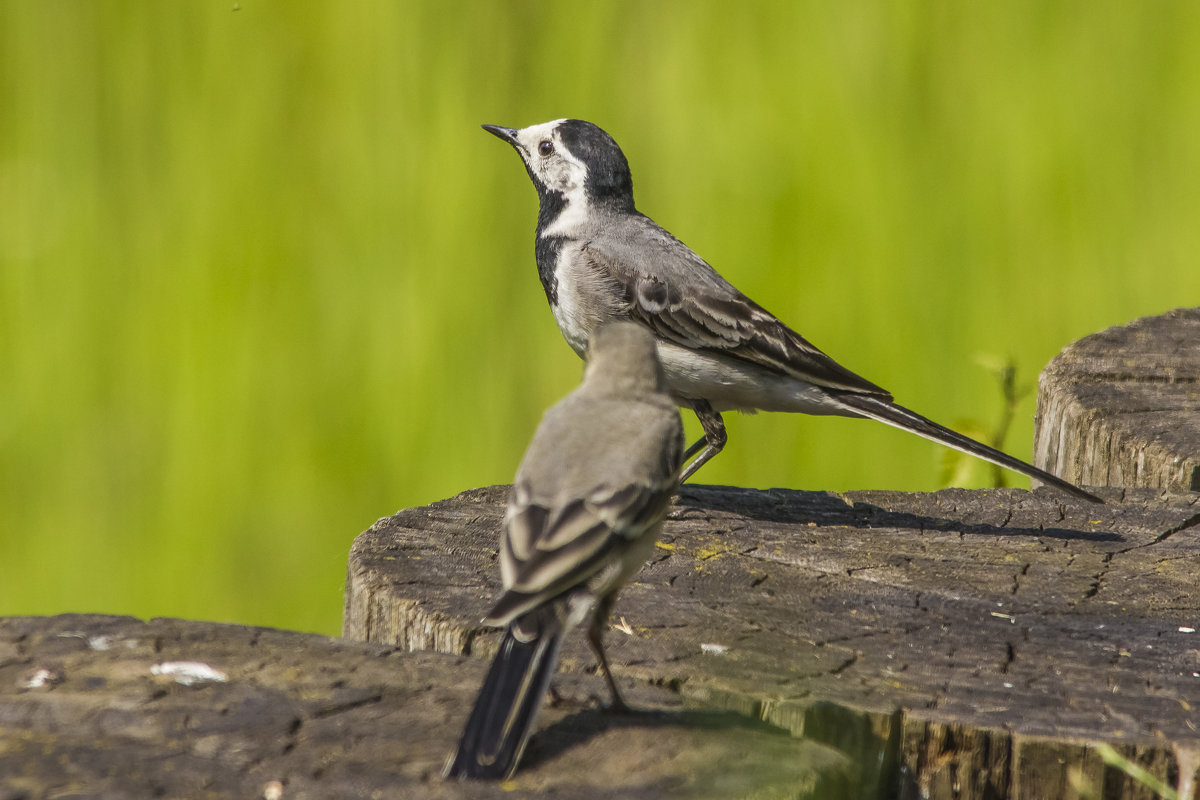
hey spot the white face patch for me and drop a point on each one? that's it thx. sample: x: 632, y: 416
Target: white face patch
x: 559, y: 170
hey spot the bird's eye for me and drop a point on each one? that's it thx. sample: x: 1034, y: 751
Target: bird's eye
x: 545, y: 147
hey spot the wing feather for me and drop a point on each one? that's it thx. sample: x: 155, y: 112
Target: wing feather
x: 685, y: 301
x: 574, y: 543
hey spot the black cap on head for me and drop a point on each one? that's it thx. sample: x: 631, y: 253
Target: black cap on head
x: 608, y: 171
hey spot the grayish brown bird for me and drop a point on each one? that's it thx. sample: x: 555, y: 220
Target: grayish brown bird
x: 600, y: 259
x: 585, y: 510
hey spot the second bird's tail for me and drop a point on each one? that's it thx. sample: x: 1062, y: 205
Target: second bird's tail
x: 502, y: 719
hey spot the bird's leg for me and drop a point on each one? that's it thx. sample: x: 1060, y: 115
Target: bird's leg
x: 595, y: 637
x: 714, y: 438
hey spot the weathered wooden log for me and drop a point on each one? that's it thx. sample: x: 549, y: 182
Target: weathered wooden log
x: 116, y: 708
x: 1122, y: 407
x: 959, y: 644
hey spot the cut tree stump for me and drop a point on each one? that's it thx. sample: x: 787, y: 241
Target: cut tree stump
x: 1122, y: 407
x: 960, y: 644
x: 115, y: 708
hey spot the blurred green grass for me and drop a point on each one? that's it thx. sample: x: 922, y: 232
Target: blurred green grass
x: 263, y: 279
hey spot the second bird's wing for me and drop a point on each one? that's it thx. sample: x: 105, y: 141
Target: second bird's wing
x: 546, y: 551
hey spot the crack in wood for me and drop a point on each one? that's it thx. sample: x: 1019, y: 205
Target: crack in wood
x: 341, y: 708
x: 1098, y: 578
x: 1125, y: 377
x: 1167, y: 534
x: 902, y: 630
x: 1191, y: 522
x: 1016, y: 583
x: 845, y: 665
x: 1010, y: 655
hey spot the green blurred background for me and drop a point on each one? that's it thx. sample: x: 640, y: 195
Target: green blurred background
x: 263, y: 279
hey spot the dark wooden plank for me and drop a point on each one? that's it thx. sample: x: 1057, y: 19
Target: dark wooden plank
x: 996, y: 634
x: 84, y: 714
x: 1122, y: 407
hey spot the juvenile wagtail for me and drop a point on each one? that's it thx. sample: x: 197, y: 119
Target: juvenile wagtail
x: 585, y: 509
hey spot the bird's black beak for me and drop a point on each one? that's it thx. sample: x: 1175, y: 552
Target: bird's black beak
x: 499, y: 131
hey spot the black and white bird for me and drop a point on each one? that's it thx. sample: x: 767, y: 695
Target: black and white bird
x: 600, y: 259
x: 585, y: 510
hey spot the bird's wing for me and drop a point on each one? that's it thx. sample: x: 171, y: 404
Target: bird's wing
x: 683, y: 300
x: 547, y: 550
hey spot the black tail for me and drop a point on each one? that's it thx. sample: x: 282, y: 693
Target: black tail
x: 878, y: 408
x: 512, y: 693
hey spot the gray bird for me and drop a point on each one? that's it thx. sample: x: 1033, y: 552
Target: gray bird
x: 600, y: 259
x: 585, y: 510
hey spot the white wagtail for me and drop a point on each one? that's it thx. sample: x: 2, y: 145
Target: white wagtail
x: 600, y: 259
x: 585, y: 509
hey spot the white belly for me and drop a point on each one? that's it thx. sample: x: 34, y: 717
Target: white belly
x: 586, y: 298
x: 729, y: 384
x: 575, y: 324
